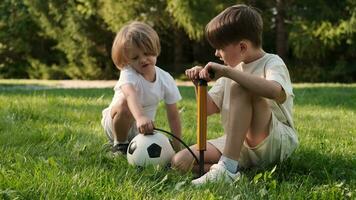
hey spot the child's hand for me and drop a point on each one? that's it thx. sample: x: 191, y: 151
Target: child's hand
x: 193, y: 73
x: 217, y: 69
x: 145, y: 125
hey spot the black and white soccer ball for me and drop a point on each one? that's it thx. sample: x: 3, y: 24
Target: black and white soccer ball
x: 152, y: 149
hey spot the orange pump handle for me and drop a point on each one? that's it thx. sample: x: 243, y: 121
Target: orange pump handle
x: 202, y: 115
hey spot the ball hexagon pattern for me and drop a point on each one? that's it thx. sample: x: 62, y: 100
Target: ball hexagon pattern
x: 153, y: 149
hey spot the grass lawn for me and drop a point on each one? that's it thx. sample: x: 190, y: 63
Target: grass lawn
x: 52, y: 147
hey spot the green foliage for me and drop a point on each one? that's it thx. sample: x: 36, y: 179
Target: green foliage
x: 191, y: 16
x: 38, y: 70
x: 265, y: 181
x: 324, y: 34
x: 71, y: 25
x: 20, y: 40
x: 73, y: 38
x: 118, y: 13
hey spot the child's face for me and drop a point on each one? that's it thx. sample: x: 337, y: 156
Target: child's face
x: 231, y: 54
x: 141, y: 61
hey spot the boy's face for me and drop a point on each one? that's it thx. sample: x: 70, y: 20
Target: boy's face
x: 141, y: 61
x: 231, y: 54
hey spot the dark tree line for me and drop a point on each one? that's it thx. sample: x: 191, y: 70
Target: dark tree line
x: 71, y: 39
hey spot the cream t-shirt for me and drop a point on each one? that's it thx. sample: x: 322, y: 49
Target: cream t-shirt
x: 270, y: 67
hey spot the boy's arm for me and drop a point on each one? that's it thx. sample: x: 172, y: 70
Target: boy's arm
x: 193, y: 75
x: 174, y: 123
x: 257, y: 85
x: 144, y: 124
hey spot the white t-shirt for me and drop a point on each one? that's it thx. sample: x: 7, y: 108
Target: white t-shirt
x: 270, y: 67
x: 149, y: 94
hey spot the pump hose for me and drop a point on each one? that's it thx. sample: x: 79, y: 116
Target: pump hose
x: 181, y: 141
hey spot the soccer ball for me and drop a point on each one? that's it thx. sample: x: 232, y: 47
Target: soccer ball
x: 146, y: 150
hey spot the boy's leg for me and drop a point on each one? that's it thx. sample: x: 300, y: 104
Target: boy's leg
x: 184, y: 161
x: 122, y: 121
x: 249, y: 120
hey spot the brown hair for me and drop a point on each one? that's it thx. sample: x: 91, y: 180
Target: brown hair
x: 135, y: 34
x: 234, y: 24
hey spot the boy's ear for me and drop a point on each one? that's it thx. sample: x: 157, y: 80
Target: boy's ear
x: 243, y: 46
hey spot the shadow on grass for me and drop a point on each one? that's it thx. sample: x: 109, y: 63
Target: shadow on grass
x: 71, y: 146
x: 11, y: 86
x: 328, y: 96
x: 52, y: 91
x: 313, y: 166
x: 81, y: 147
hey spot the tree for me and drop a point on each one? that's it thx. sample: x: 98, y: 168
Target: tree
x: 21, y: 43
x: 57, y: 39
x: 78, y: 33
x: 281, y: 30
x: 323, y: 35
x: 155, y: 13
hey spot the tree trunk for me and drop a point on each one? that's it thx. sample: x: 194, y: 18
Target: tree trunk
x: 179, y: 56
x: 281, y: 30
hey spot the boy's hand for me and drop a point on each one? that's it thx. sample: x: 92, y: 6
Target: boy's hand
x: 145, y: 125
x: 217, y: 69
x: 193, y: 74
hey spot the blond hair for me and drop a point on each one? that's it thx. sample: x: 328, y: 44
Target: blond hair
x: 135, y: 34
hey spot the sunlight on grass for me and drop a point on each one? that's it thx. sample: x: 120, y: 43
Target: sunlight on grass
x: 52, y: 146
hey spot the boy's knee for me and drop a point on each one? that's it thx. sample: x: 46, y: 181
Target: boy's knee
x: 259, y: 101
x: 237, y: 90
x: 121, y: 108
x: 182, y: 161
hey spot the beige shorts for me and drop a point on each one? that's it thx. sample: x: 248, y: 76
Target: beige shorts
x: 106, y: 122
x: 279, y: 145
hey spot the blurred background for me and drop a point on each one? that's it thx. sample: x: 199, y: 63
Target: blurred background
x: 71, y: 39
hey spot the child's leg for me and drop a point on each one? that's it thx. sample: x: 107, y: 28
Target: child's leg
x: 122, y: 120
x: 184, y: 161
x: 248, y: 120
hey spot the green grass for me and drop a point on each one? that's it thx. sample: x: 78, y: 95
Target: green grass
x: 51, y: 147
